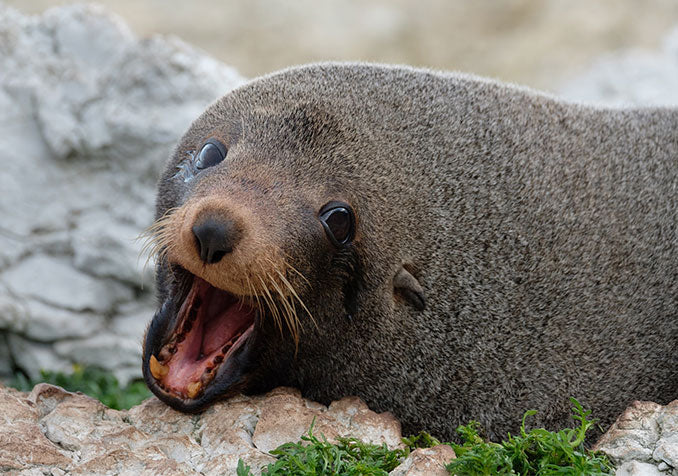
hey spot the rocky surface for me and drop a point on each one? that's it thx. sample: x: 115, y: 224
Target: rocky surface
x: 88, y: 114
x: 630, y: 78
x: 51, y: 431
x: 644, y: 440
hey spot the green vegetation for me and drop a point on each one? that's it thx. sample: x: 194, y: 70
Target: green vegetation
x: 316, y: 456
x: 539, y: 452
x: 91, y: 381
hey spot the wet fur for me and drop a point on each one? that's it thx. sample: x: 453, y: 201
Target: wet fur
x: 542, y: 233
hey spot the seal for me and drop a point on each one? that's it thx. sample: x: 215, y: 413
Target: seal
x: 445, y: 247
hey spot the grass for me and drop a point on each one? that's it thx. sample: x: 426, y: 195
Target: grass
x: 535, y: 453
x: 316, y: 456
x: 91, y: 381
x: 539, y: 452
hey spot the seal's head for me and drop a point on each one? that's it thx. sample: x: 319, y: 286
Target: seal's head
x: 259, y: 240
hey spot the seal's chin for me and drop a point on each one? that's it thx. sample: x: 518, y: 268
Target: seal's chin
x: 197, y: 348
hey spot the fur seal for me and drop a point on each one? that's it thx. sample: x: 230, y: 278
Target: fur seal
x: 445, y: 247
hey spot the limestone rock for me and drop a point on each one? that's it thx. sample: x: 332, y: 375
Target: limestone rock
x: 53, y: 281
x: 88, y: 115
x: 76, y: 434
x: 426, y: 462
x: 644, y: 436
x: 635, y: 78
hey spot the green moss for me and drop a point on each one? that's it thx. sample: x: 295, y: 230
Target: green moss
x: 91, y: 381
x: 316, y: 456
x: 539, y: 452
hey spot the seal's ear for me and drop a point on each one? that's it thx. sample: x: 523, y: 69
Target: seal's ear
x: 407, y: 287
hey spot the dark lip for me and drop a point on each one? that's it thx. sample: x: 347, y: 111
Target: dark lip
x: 230, y: 378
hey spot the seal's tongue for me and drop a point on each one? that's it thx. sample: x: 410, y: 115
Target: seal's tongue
x: 210, y: 324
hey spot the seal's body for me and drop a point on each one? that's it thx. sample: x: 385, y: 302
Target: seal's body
x: 445, y: 247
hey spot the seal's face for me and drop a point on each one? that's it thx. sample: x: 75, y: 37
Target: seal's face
x: 250, y: 250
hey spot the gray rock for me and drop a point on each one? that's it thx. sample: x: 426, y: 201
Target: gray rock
x: 54, y: 281
x: 132, y: 319
x: 32, y: 357
x: 121, y: 355
x: 45, y: 323
x: 634, y: 468
x: 88, y: 114
x: 637, y: 77
x: 5, y: 357
x: 426, y: 462
x: 96, y: 231
x: 644, y: 440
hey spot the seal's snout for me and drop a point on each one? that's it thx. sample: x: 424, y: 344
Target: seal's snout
x: 215, y: 237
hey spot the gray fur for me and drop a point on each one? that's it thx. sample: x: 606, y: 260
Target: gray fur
x: 543, y: 233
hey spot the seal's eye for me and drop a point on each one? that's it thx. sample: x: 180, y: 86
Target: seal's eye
x: 339, y: 222
x: 210, y: 155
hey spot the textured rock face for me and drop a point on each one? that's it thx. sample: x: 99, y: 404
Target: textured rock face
x: 71, y: 432
x: 637, y: 78
x: 88, y: 114
x: 54, y: 430
x: 644, y: 440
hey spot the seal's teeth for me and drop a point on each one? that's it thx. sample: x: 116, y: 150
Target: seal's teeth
x: 192, y: 316
x: 180, y: 338
x: 157, y: 369
x: 218, y: 359
x: 164, y: 354
x: 193, y: 389
x: 206, y: 378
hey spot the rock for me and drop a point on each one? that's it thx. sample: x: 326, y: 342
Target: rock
x: 121, y: 355
x: 644, y: 436
x: 639, y: 78
x: 96, y: 231
x: 23, y: 445
x: 132, y: 319
x: 76, y: 434
x: 285, y: 416
x: 5, y: 357
x: 44, y: 323
x: 634, y: 468
x: 88, y: 115
x: 426, y: 462
x: 55, y: 282
x: 32, y: 357
x: 47, y: 323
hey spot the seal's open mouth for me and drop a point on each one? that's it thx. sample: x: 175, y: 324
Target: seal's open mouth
x: 209, y: 328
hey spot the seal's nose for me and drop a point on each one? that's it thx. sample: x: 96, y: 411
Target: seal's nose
x: 215, y: 237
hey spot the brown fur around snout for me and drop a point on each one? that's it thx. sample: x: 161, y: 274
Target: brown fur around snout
x: 254, y: 254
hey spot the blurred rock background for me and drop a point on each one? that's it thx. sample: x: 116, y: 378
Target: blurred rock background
x: 533, y: 42
x: 91, y: 104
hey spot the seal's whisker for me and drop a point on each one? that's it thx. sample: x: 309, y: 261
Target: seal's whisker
x: 289, y: 315
x: 157, y: 237
x: 294, y: 293
x: 254, y: 291
x: 271, y: 305
x: 289, y: 267
x: 287, y: 312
